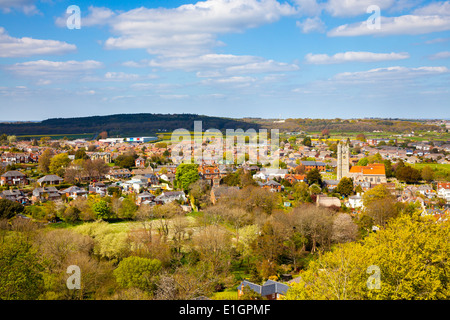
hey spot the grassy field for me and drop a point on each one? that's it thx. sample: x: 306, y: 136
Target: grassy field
x: 58, y: 136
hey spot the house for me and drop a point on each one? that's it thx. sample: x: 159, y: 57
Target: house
x: 293, y: 178
x: 169, y: 196
x: 271, y: 185
x: 310, y: 165
x: 270, y: 173
x: 153, y: 179
x: 115, y: 173
x: 355, y: 201
x: 139, y: 162
x: 75, y: 192
x: 98, y: 188
x: 13, y: 177
x: 211, y: 173
x: 169, y: 177
x: 270, y: 290
x: 50, y: 179
x: 14, y: 195
x: 45, y: 194
x: 143, y: 197
x: 105, y: 156
x: 331, y: 184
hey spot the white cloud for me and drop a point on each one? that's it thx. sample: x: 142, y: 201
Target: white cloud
x: 95, y: 16
x: 391, y: 73
x: 352, y: 56
x: 25, y: 47
x: 191, y: 29
x: 309, y: 7
x: 434, y: 17
x: 440, y: 55
x: 350, y: 8
x: 441, y: 8
x: 407, y: 24
x: 46, y: 72
x: 26, y: 6
x: 311, y: 25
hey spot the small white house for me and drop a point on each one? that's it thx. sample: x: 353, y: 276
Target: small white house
x: 355, y: 201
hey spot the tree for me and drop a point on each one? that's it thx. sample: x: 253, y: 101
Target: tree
x: 125, y: 161
x: 59, y: 163
x: 363, y: 162
x: 127, y: 209
x: 361, y: 137
x: 137, y: 272
x: 325, y: 132
x: 345, y: 186
x: 44, y: 161
x: 307, y: 142
x: 20, y: 270
x: 9, y: 209
x: 407, y: 270
x: 81, y: 154
x: 186, y: 174
x: 427, y: 173
x: 408, y: 174
x: 101, y: 210
x: 314, y: 177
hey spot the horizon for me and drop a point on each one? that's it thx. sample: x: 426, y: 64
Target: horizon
x: 245, y: 117
x: 273, y: 59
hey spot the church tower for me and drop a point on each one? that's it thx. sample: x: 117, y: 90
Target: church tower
x: 343, y: 162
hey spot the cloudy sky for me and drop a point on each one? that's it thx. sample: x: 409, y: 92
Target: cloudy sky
x: 234, y: 58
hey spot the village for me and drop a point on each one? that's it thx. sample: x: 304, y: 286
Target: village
x: 149, y: 173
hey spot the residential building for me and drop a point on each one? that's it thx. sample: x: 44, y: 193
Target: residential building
x: 50, y: 179
x: 75, y: 192
x: 13, y: 177
x: 44, y: 194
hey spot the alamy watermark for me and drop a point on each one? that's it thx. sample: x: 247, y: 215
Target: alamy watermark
x: 374, y: 280
x: 237, y: 146
x: 374, y: 21
x: 74, y: 280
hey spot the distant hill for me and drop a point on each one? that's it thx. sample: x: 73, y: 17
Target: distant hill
x: 123, y: 124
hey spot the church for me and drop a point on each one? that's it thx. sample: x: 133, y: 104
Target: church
x: 374, y: 173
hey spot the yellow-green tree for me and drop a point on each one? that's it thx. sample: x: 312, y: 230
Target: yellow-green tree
x: 411, y: 254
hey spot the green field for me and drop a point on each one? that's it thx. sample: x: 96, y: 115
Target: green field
x: 58, y: 136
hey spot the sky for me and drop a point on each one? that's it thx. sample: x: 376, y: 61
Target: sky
x: 228, y: 58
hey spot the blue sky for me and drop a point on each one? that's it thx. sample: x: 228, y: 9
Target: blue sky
x: 232, y: 58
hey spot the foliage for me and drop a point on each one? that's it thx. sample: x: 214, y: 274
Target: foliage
x: 101, y: 210
x: 186, y: 174
x: 314, y: 177
x: 411, y: 254
x: 345, y: 186
x: 9, y: 209
x: 20, y: 270
x: 137, y: 272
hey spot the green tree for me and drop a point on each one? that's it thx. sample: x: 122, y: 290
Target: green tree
x: 101, y: 210
x: 186, y: 174
x: 44, y: 161
x: 137, y: 272
x: 345, y: 186
x: 427, y: 173
x: 59, y: 163
x: 411, y: 254
x: 307, y: 141
x: 408, y: 174
x: 314, y: 176
x: 127, y: 209
x: 9, y: 209
x: 20, y: 271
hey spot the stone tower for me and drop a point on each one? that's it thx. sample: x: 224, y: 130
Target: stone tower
x: 343, y: 162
